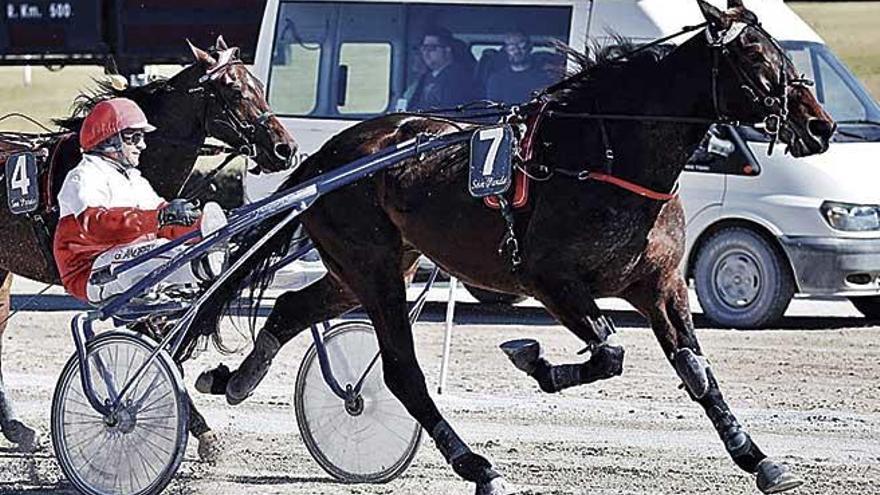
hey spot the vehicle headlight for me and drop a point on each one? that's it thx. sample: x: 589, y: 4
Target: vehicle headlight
x: 850, y: 217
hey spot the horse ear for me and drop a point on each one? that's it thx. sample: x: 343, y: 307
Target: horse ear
x: 735, y: 4
x: 713, y: 15
x: 201, y: 55
x: 221, y: 43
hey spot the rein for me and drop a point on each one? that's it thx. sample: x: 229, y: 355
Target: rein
x: 773, y: 123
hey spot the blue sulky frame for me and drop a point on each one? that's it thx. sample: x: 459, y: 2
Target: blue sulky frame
x: 294, y: 201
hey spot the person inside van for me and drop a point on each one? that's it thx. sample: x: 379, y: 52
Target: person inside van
x: 448, y: 81
x: 520, y: 76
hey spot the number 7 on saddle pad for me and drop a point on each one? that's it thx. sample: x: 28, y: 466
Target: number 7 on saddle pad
x: 491, y: 161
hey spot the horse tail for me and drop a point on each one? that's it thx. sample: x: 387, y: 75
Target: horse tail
x: 244, y: 290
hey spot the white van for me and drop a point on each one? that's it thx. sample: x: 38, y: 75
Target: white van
x: 760, y: 228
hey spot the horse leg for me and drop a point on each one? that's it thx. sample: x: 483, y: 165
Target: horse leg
x: 374, y: 274
x: 665, y: 304
x: 571, y: 302
x: 14, y: 430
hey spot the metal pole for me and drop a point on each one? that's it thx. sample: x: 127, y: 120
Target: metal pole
x: 447, y: 338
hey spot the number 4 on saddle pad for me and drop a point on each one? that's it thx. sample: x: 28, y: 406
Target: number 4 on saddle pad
x: 21, y: 183
x: 491, y: 161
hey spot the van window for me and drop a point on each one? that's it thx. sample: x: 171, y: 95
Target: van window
x: 347, y: 60
x: 368, y: 80
x: 839, y: 92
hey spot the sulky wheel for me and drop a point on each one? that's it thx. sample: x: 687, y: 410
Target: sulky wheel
x: 137, y: 449
x: 370, y: 439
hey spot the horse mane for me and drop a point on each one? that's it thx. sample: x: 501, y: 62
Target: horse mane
x: 600, y: 62
x: 104, y: 90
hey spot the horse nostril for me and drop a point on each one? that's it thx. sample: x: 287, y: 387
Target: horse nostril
x: 821, y: 128
x: 283, y: 151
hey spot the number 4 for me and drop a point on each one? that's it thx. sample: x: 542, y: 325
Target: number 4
x: 496, y: 135
x: 20, y: 179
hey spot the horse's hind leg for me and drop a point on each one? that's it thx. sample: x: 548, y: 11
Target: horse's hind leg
x: 665, y: 304
x: 14, y: 430
x: 570, y: 301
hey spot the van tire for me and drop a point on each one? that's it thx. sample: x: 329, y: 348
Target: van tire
x: 868, y: 306
x: 742, y: 280
x: 493, y: 297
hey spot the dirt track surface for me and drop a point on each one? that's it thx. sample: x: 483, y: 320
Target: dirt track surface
x: 809, y: 398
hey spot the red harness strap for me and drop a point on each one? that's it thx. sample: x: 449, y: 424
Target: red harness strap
x: 629, y: 186
x: 520, y: 179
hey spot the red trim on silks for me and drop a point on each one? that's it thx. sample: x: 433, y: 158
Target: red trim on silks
x: 520, y: 192
x: 630, y: 186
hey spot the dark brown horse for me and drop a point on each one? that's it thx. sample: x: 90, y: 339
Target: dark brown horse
x: 216, y: 96
x: 579, y: 239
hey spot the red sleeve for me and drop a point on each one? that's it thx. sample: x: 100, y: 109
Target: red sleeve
x: 174, y: 231
x: 117, y: 225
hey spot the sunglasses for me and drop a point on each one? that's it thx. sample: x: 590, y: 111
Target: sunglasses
x: 133, y: 138
x: 430, y: 47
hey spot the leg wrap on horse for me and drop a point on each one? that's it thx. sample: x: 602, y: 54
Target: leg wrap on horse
x: 464, y: 462
x: 253, y: 368
x: 692, y: 369
x: 737, y: 442
x: 606, y: 362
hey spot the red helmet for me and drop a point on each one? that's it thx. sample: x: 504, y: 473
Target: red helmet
x: 110, y: 117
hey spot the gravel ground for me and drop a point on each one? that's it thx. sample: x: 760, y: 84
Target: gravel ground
x: 809, y: 398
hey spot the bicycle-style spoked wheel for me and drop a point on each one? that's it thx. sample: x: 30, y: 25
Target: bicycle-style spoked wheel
x: 372, y: 439
x: 139, y: 448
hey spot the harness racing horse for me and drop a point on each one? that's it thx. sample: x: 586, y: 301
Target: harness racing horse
x: 585, y: 234
x: 217, y: 97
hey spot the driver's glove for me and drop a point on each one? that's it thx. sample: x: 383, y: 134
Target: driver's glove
x: 178, y: 212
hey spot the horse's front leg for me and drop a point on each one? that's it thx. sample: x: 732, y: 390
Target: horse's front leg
x: 13, y: 429
x: 571, y: 302
x: 665, y: 303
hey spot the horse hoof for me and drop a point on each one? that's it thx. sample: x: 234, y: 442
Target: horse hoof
x: 214, y: 381
x: 775, y: 478
x: 209, y: 447
x: 495, y: 487
x: 25, y: 438
x: 523, y: 353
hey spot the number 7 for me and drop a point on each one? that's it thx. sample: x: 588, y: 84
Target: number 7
x: 496, y: 135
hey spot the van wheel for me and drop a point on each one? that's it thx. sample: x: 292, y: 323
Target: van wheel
x: 868, y: 306
x: 492, y: 297
x: 742, y: 281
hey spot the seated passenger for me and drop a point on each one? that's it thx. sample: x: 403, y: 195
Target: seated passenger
x: 447, y: 82
x: 110, y: 214
x: 516, y: 81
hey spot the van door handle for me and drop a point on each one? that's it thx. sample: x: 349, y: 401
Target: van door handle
x: 342, y: 85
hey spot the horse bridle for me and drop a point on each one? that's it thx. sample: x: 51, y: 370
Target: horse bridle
x: 776, y: 105
x: 244, y: 130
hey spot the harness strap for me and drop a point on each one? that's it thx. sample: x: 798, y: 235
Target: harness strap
x: 629, y: 186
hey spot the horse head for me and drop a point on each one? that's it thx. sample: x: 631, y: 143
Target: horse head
x: 237, y: 111
x: 759, y: 83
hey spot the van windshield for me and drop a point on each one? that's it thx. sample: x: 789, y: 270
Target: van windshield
x: 837, y: 89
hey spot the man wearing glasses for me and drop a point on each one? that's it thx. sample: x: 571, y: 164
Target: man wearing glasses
x: 515, y: 82
x: 110, y: 214
x: 447, y: 82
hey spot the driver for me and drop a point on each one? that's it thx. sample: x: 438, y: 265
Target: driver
x: 110, y: 214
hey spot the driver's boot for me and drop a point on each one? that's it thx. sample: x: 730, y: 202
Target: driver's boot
x: 253, y: 368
